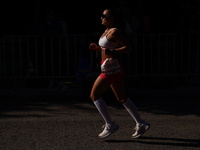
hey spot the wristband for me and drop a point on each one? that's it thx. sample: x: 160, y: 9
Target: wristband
x: 112, y: 50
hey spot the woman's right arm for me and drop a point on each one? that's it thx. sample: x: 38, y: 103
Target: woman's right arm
x: 94, y: 46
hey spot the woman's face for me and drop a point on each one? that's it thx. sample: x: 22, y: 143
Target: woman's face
x: 106, y: 19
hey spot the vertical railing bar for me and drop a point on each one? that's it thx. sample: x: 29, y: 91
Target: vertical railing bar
x: 75, y: 53
x: 182, y: 36
x: 189, y: 55
x: 20, y: 56
x: 174, y: 51
x: 151, y: 55
x: 4, y: 57
x: 52, y: 60
x: 44, y: 55
x: 197, y: 49
x: 36, y: 59
x: 13, y: 59
x: 13, y: 63
x: 59, y: 57
x: 159, y: 55
x: 28, y: 57
x: 136, y: 64
x: 166, y: 63
x: 143, y: 54
x: 67, y: 60
x: 129, y: 59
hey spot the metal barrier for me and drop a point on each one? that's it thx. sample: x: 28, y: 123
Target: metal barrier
x: 164, y: 55
x: 62, y: 57
x: 42, y: 57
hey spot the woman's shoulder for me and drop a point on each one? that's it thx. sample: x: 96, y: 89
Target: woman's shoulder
x: 116, y: 31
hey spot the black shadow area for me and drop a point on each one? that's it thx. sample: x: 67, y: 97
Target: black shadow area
x: 180, y: 142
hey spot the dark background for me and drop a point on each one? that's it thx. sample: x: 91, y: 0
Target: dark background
x: 83, y: 16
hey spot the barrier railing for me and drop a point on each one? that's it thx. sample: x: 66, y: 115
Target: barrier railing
x: 64, y: 57
x: 165, y: 55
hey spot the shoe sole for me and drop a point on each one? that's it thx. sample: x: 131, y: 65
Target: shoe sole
x: 135, y: 137
x: 107, y: 135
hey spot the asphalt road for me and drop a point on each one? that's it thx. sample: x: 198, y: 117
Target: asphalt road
x: 45, y: 119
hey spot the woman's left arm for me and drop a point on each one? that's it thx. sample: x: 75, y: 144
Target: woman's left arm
x: 125, y: 45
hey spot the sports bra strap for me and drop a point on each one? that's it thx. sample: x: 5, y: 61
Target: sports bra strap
x: 110, y: 31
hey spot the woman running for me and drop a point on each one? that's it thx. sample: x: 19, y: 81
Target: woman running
x: 111, y: 44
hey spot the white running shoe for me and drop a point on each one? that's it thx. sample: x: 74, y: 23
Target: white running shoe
x: 140, y: 130
x: 108, y: 130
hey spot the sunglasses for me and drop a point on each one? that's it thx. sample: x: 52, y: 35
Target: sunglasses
x: 103, y: 16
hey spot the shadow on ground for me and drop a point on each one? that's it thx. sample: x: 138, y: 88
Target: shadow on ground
x: 161, y: 141
x: 153, y: 102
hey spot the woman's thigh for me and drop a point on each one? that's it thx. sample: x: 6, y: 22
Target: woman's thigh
x: 99, y: 86
x: 119, y: 90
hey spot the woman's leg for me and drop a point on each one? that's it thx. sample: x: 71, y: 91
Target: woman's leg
x: 100, y: 85
x: 120, y: 92
x: 141, y: 126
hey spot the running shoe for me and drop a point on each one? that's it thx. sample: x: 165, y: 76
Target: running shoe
x: 108, y: 130
x: 140, y: 130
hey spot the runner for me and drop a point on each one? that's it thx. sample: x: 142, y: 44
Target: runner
x: 111, y: 44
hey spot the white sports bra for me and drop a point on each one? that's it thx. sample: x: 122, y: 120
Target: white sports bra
x: 104, y: 42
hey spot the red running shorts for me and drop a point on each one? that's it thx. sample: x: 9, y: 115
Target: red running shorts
x: 117, y: 77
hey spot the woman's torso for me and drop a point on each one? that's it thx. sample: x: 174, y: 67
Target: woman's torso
x: 105, y: 42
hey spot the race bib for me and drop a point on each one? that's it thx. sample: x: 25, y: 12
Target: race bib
x: 110, y: 66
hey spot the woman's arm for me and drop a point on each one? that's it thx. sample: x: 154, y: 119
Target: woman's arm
x: 94, y: 46
x: 117, y: 36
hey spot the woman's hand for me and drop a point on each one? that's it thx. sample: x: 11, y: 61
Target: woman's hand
x: 94, y: 46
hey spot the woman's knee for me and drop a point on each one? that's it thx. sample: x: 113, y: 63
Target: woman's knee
x: 94, y: 97
x: 122, y: 100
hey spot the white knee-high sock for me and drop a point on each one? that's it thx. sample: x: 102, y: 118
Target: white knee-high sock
x: 131, y: 108
x: 102, y: 108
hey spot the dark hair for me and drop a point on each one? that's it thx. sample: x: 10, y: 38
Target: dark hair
x: 118, y: 18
